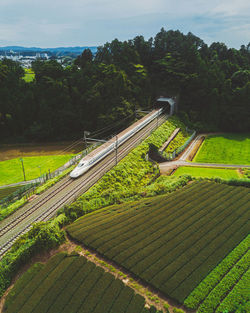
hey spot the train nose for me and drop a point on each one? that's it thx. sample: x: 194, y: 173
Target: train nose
x: 73, y: 174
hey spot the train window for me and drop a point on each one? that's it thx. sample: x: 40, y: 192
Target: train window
x: 80, y: 164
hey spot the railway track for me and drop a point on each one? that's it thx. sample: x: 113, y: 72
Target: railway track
x: 64, y: 192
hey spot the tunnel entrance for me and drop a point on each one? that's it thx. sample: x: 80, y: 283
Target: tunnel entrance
x: 167, y: 103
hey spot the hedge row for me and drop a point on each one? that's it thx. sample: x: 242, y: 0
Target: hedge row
x: 203, y: 289
x: 215, y: 297
x: 70, y: 283
x: 42, y: 237
x: 238, y: 298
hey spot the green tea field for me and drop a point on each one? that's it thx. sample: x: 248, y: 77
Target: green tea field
x: 172, y: 241
x: 70, y: 284
x: 225, y: 149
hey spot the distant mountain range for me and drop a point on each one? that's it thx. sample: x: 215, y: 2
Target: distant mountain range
x: 57, y: 51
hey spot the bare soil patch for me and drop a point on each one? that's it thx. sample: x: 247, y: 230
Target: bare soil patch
x: 11, y: 151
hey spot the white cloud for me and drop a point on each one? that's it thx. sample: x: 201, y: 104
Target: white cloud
x: 85, y: 22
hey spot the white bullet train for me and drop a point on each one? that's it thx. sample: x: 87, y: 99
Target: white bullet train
x: 101, y: 152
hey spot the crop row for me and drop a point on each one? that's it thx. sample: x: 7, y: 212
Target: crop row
x: 174, y: 246
x: 69, y: 283
x: 100, y: 220
x: 153, y: 221
x: 26, y: 291
x: 190, y: 253
x: 151, y: 234
x: 178, y: 201
x: 195, y: 277
x: 166, y: 210
x: 150, y: 242
x: 214, y: 298
x: 175, y: 232
x: 203, y: 289
x: 239, y: 295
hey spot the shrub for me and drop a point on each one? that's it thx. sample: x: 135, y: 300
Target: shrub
x: 42, y: 236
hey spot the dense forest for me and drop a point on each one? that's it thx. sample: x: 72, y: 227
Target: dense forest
x: 212, y: 85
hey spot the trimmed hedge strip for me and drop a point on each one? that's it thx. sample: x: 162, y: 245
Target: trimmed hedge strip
x: 123, y: 300
x: 50, y: 296
x: 177, y: 227
x: 84, y: 290
x: 37, y: 294
x: 187, y: 249
x: 109, y: 297
x: 69, y: 290
x: 34, y: 283
x: 72, y: 284
x: 170, y: 242
x: 203, y: 289
x: 239, y: 295
x: 22, y: 282
x: 225, y: 285
x: 160, y: 215
x: 136, y: 304
x: 85, y: 227
x: 184, y: 288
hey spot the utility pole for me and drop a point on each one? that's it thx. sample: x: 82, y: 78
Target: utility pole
x: 40, y: 170
x: 157, y: 119
x: 85, y: 133
x: 116, y: 149
x: 21, y: 159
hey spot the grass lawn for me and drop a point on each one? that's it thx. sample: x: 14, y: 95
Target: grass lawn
x: 11, y: 170
x: 225, y: 149
x: 29, y: 75
x: 4, y: 192
x: 207, y: 172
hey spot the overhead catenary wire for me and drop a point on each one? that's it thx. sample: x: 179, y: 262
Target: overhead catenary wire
x: 80, y: 140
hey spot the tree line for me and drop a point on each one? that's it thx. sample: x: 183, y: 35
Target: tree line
x: 212, y: 84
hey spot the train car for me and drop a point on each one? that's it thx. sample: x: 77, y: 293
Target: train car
x: 101, y: 152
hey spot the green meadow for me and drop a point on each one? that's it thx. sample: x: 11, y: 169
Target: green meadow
x: 207, y: 172
x: 29, y: 75
x: 225, y: 149
x: 11, y: 170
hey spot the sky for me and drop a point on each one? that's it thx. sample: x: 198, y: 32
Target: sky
x: 55, y: 23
